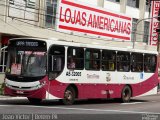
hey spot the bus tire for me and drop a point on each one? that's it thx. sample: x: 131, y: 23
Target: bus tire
x: 34, y: 100
x: 69, y: 96
x: 126, y: 94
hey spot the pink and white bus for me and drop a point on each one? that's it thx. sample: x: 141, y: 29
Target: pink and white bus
x: 57, y: 69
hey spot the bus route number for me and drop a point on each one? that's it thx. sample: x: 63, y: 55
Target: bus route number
x: 72, y: 73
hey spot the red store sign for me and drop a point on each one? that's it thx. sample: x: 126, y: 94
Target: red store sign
x: 154, y: 24
x: 96, y: 21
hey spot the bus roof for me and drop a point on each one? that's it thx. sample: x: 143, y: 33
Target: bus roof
x: 109, y: 45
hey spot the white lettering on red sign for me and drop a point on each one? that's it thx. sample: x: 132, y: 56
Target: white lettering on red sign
x: 154, y: 23
x: 81, y: 18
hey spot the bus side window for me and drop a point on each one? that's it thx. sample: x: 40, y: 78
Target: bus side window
x: 108, y: 60
x: 71, y: 63
x: 136, y: 62
x: 92, y: 59
x: 75, y: 58
x: 123, y: 61
x: 149, y: 63
x: 56, y: 61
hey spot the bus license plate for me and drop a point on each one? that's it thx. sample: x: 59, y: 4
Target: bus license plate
x: 19, y: 92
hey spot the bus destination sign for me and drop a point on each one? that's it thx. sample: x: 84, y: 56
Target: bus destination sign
x: 27, y: 43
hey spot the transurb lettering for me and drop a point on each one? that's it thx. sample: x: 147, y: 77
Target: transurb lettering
x: 128, y: 78
x: 94, y: 76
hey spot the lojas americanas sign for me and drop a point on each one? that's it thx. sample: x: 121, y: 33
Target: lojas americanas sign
x: 75, y: 16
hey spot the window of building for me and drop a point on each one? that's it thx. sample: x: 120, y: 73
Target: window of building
x: 134, y: 24
x: 146, y: 32
x: 123, y: 61
x: 108, y: 60
x: 3, y: 53
x: 114, y: 0
x: 51, y: 6
x: 75, y: 58
x: 92, y: 59
x: 149, y: 63
x: 148, y: 5
x: 137, y: 62
x: 133, y: 3
x: 3, y: 57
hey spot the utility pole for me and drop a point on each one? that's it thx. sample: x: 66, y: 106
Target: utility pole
x: 157, y: 30
x: 135, y: 31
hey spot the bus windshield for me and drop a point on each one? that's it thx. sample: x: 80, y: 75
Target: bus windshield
x: 26, y: 63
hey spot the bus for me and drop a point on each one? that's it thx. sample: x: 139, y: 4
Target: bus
x: 42, y: 69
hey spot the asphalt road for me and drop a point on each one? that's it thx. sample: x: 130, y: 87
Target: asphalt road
x: 141, y: 108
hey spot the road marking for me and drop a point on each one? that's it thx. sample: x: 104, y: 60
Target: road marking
x: 13, y: 98
x: 131, y: 103
x: 82, y: 109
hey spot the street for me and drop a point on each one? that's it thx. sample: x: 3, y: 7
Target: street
x: 141, y: 108
x: 78, y: 49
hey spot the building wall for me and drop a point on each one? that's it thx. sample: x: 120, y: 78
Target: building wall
x: 39, y: 18
x: 108, y: 5
x: 2, y: 9
x: 138, y: 13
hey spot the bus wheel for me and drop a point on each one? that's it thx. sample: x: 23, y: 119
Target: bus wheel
x: 126, y: 94
x: 69, y: 96
x: 34, y: 100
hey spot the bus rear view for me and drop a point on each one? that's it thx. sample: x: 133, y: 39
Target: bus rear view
x: 26, y: 69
